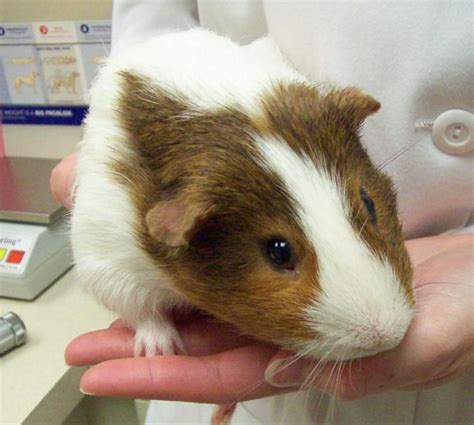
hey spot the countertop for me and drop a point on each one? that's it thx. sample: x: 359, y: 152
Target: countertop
x: 37, y: 369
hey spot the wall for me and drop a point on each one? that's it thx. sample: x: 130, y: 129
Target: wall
x: 54, y: 10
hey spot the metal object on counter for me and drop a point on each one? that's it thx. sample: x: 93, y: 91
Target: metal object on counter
x: 12, y: 332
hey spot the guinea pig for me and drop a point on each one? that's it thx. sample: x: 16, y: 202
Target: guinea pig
x: 215, y: 176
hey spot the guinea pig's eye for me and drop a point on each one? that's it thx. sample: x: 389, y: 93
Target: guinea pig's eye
x: 280, y: 254
x: 369, y: 205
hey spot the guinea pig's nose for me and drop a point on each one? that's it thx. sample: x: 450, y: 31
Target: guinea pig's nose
x: 376, y: 338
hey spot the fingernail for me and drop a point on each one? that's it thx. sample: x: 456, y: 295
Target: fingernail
x: 85, y: 392
x: 282, y: 373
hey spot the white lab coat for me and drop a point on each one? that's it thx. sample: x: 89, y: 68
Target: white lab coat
x: 417, y: 58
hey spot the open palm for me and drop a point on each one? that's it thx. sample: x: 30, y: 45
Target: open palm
x: 221, y: 366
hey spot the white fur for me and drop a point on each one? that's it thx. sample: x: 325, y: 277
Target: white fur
x: 108, y: 258
x: 211, y: 71
x: 362, y: 308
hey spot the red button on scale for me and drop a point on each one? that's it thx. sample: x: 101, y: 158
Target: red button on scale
x: 15, y: 257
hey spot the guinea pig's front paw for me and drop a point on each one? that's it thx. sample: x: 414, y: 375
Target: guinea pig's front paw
x: 158, y: 336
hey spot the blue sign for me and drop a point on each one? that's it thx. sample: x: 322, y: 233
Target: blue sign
x: 42, y: 114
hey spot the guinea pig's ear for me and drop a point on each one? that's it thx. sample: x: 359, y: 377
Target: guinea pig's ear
x: 171, y: 222
x: 354, y: 105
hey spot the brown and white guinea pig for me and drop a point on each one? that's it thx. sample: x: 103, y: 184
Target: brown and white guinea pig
x: 215, y: 176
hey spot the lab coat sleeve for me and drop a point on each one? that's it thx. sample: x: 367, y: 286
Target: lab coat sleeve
x: 468, y: 230
x: 135, y: 21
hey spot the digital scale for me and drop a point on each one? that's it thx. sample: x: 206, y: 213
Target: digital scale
x: 34, y: 238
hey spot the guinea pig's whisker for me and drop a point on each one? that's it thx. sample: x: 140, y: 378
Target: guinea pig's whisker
x: 315, y: 371
x: 442, y: 289
x: 351, y: 362
x: 363, y: 225
x: 317, y: 367
x: 323, y: 391
x: 293, y: 359
x: 398, y: 154
x: 359, y: 363
x: 338, y: 370
x: 106, y: 51
x: 338, y: 380
x: 441, y: 282
x: 359, y: 209
x: 289, y: 361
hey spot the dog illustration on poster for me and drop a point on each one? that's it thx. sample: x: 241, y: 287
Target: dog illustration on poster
x: 26, y: 80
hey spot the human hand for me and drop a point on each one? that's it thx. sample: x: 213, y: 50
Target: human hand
x: 221, y: 367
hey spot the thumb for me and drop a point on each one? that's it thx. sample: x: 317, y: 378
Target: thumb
x: 286, y: 369
x: 62, y: 179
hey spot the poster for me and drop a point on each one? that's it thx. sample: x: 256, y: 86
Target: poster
x: 47, y: 69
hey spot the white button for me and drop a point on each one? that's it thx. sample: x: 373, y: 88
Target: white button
x: 453, y: 132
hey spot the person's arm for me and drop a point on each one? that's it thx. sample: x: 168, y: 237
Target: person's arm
x: 136, y: 21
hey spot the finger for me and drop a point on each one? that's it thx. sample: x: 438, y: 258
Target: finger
x: 203, y: 336
x: 220, y: 378
x: 331, y: 377
x: 433, y: 383
x: 118, y: 323
x: 453, y: 266
x: 62, y: 179
x: 423, y: 249
x: 97, y: 346
x: 200, y: 337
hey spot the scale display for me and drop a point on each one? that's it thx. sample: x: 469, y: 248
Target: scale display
x: 32, y: 256
x: 13, y: 248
